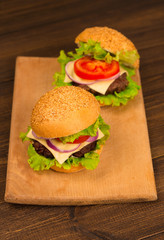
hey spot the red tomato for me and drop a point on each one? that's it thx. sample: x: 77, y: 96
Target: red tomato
x: 92, y: 69
x: 81, y: 139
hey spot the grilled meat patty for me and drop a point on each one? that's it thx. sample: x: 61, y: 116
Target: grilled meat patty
x: 85, y: 150
x: 42, y: 150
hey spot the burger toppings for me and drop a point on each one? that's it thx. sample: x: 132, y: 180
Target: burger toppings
x: 52, y: 144
x: 101, y: 86
x: 42, y: 150
x: 42, y: 156
x: 116, y: 86
x: 98, y: 69
x: 84, y: 138
x: 62, y: 151
x: 91, y: 69
x: 81, y: 139
x: 92, y: 139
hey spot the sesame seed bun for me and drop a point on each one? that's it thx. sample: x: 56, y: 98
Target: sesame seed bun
x: 110, y: 39
x: 64, y: 111
x: 73, y: 168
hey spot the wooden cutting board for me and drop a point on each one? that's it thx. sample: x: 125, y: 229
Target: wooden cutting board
x: 124, y: 174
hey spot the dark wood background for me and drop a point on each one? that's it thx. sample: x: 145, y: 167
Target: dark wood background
x: 43, y: 28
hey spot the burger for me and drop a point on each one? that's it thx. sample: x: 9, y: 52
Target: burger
x: 67, y: 132
x: 103, y: 64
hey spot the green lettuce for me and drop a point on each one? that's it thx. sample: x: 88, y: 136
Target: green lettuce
x: 63, y: 59
x: 90, y: 48
x: 23, y: 135
x: 105, y: 130
x: 89, y: 161
x: 94, y: 49
x: 38, y: 162
x: 127, y: 57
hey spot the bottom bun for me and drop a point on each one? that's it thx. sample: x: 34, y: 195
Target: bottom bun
x: 101, y: 104
x: 73, y: 168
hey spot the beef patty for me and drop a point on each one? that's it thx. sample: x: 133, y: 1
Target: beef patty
x: 42, y: 150
x: 117, y: 86
x: 85, y: 150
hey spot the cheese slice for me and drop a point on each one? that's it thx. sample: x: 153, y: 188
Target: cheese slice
x: 67, y: 79
x: 100, y: 87
x: 62, y: 157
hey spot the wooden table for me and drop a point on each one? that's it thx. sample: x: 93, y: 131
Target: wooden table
x: 42, y: 28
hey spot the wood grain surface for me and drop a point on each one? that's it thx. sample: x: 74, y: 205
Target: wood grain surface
x: 42, y: 28
x: 122, y: 176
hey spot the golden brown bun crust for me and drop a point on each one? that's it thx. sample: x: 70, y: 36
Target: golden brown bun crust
x: 102, y: 105
x: 73, y: 169
x: 110, y: 39
x: 64, y: 111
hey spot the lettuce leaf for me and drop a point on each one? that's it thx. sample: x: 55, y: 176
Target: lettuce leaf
x: 38, y: 162
x: 23, y: 135
x: 92, y: 48
x: 127, y: 57
x: 105, y: 130
x: 89, y: 161
x: 63, y: 59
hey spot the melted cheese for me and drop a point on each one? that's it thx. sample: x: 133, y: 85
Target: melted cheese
x: 100, y: 87
x: 62, y: 157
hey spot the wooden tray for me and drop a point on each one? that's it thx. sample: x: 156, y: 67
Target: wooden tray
x: 125, y: 172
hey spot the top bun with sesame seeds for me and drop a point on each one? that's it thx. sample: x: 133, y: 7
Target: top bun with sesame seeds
x: 64, y: 111
x: 110, y: 39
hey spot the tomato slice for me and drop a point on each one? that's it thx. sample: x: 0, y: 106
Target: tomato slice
x: 81, y: 139
x: 92, y: 69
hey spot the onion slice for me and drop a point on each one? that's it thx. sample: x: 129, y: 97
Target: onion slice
x: 68, y: 71
x: 92, y: 139
x: 34, y: 134
x: 51, y: 145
